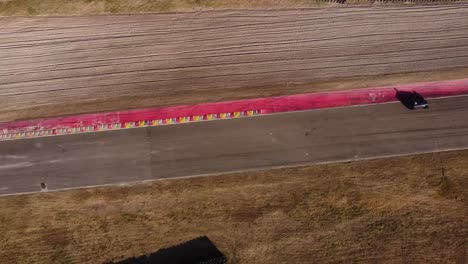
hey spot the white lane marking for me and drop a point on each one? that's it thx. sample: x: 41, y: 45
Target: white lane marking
x: 13, y: 157
x: 54, y: 161
x: 16, y: 165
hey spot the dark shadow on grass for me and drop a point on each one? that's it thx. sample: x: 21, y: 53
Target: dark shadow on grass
x: 197, y: 251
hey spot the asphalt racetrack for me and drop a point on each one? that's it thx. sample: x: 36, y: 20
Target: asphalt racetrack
x: 211, y: 147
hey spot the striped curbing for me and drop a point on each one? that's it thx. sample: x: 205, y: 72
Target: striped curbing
x: 7, y: 135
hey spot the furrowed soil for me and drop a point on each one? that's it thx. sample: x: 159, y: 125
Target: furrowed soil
x: 54, y: 66
x: 396, y: 210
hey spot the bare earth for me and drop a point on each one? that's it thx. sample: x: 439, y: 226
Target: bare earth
x: 398, y: 210
x: 66, y: 65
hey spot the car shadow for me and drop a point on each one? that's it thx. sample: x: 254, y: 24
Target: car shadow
x: 410, y: 99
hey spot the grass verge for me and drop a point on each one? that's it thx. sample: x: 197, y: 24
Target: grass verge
x: 93, y: 7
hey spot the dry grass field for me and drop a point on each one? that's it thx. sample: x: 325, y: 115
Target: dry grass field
x: 395, y: 210
x: 90, y: 7
x: 87, y: 7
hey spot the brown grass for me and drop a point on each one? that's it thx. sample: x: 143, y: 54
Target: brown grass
x: 91, y: 7
x: 397, y: 210
x: 88, y: 7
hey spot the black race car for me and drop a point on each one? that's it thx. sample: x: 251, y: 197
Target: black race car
x: 419, y: 101
x: 411, y: 100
